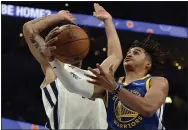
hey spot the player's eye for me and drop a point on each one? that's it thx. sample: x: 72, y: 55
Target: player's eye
x: 135, y: 52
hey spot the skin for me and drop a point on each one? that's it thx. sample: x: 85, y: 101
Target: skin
x: 136, y: 64
x: 114, y: 53
x: 32, y: 30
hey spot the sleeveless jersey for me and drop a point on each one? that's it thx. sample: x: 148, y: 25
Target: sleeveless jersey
x: 120, y: 116
x: 66, y: 110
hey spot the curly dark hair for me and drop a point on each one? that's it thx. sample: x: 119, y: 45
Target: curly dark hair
x: 153, y: 49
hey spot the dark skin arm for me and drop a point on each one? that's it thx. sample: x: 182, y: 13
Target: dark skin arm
x: 146, y: 106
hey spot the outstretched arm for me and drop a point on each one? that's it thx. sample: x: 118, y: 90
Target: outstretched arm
x: 114, y: 52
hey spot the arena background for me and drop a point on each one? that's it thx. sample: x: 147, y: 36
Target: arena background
x: 22, y: 76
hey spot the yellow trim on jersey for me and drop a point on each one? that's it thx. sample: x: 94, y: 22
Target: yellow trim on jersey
x: 120, y: 80
x: 144, y: 77
x: 147, y: 84
x: 125, y: 83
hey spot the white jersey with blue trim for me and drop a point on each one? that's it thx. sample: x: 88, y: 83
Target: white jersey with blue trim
x: 66, y: 110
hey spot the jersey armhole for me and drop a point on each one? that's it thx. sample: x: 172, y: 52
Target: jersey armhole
x: 148, y: 84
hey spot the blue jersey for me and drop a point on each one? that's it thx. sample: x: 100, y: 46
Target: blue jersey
x: 120, y: 116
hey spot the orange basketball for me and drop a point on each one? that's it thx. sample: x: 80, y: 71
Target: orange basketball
x: 72, y: 44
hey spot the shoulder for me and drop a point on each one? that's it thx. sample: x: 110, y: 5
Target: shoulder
x: 159, y: 81
x: 158, y: 78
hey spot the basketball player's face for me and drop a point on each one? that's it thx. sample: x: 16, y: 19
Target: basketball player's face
x: 136, y: 57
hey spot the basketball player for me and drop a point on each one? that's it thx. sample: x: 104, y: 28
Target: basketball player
x: 134, y: 101
x: 65, y: 109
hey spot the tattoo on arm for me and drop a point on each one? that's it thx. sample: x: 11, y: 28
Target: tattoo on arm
x: 36, y: 45
x: 32, y: 38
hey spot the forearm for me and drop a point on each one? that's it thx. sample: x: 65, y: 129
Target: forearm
x: 40, y: 24
x: 31, y: 31
x: 139, y: 104
x: 71, y: 81
x: 114, y: 46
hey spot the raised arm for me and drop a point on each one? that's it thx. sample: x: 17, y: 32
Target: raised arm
x: 31, y: 31
x: 114, y: 51
x: 114, y: 59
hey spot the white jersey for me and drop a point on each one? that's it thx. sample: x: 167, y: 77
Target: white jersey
x: 67, y: 110
x: 160, y: 116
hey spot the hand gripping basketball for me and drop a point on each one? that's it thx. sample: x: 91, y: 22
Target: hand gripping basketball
x: 46, y: 49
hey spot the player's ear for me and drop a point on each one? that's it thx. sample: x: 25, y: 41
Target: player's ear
x: 148, y: 64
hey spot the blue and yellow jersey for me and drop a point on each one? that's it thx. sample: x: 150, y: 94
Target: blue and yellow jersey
x: 120, y: 116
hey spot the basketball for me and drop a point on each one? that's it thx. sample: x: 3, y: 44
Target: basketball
x: 72, y: 44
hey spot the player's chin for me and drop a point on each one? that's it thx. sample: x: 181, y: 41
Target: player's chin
x: 127, y: 63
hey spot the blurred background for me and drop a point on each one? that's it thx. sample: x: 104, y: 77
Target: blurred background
x: 22, y: 75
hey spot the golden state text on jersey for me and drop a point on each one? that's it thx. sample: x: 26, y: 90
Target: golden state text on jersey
x: 120, y: 116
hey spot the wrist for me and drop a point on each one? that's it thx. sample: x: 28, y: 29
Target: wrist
x: 60, y: 16
x: 113, y: 88
x: 107, y: 21
x: 117, y: 89
x: 50, y: 59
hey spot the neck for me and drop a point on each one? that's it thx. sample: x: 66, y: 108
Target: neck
x: 77, y: 64
x: 132, y: 75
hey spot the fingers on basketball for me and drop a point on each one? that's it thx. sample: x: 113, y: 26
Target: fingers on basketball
x: 52, y: 35
x: 49, y: 43
x: 56, y: 28
x: 52, y: 48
